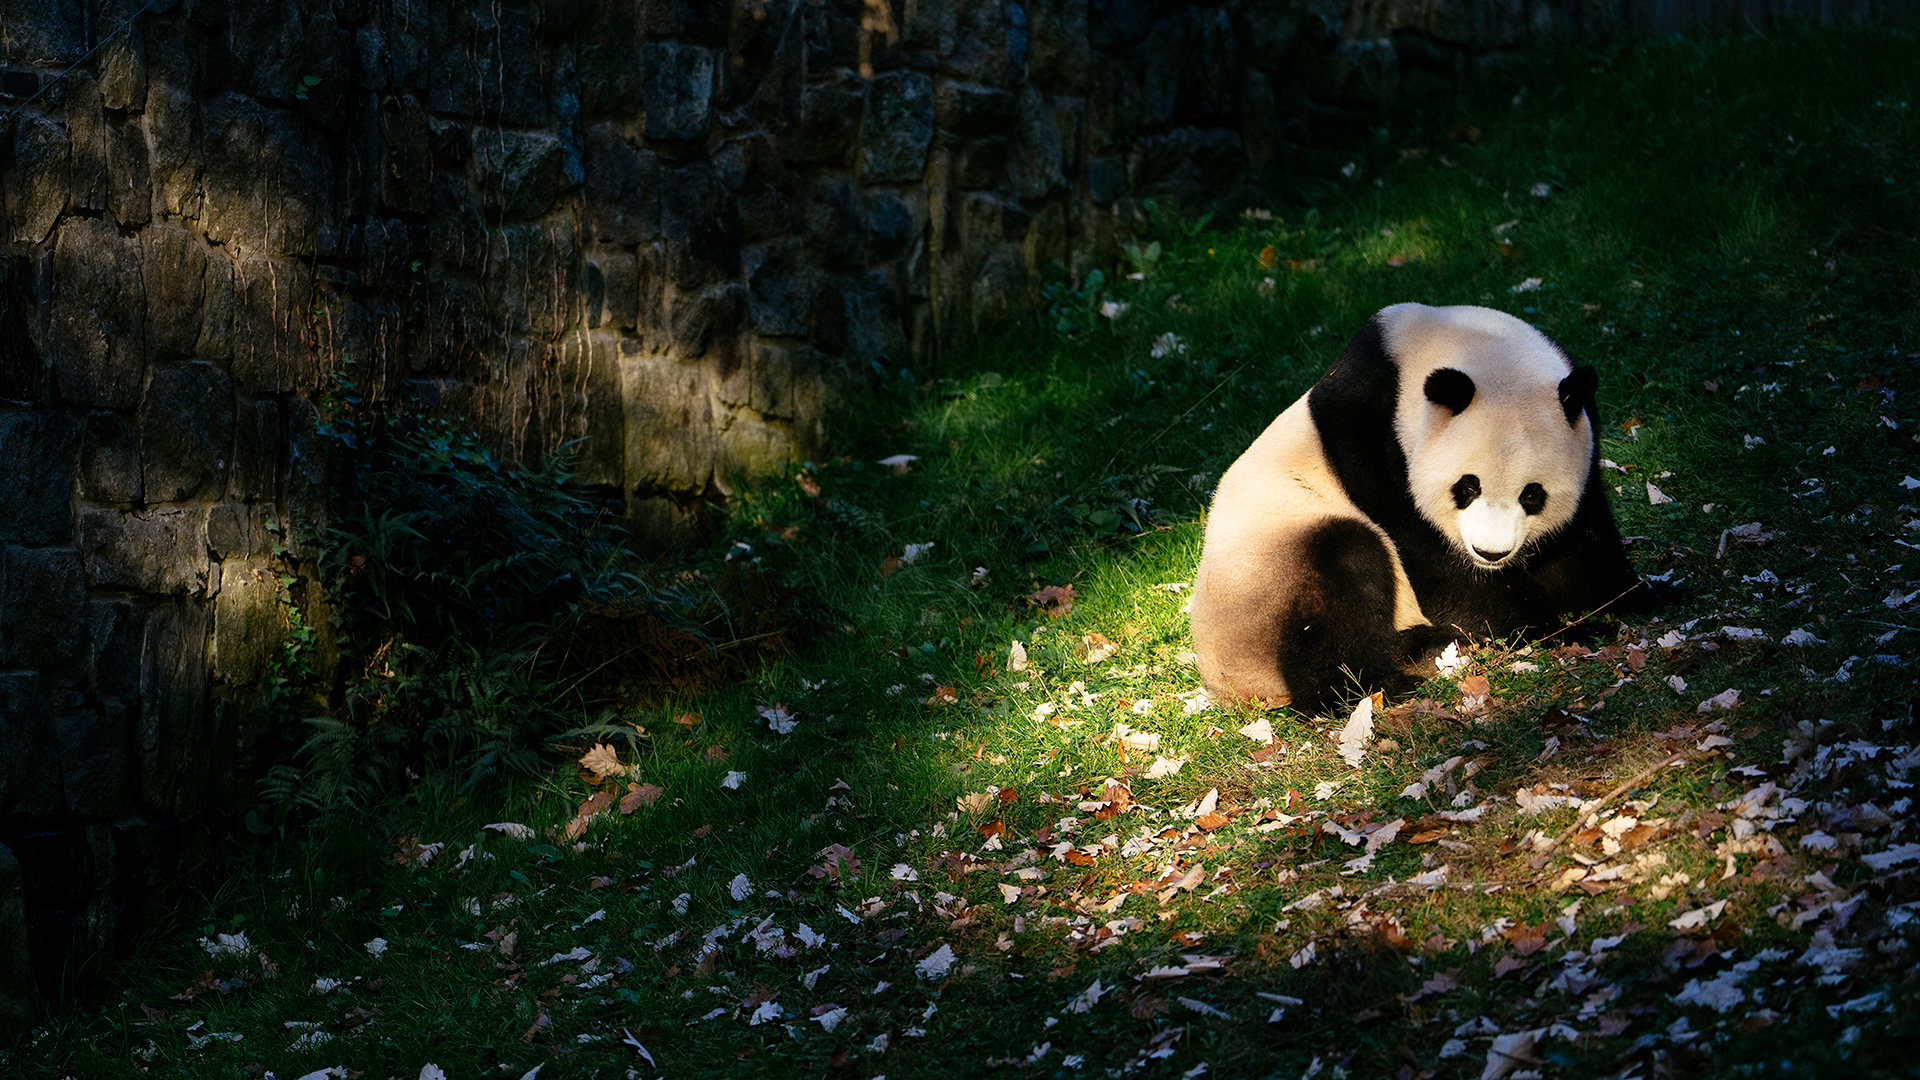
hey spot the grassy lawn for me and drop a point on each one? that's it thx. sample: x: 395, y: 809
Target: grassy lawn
x: 986, y: 820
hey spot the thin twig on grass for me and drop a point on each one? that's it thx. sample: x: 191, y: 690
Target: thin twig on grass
x: 1224, y: 380
x: 1592, y: 809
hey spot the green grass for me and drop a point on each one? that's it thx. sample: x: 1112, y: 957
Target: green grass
x: 1728, y: 234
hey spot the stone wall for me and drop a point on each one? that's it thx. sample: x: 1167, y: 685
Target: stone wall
x: 677, y: 233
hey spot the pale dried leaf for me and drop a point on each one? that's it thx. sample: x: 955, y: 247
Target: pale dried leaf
x: 602, y: 761
x: 1698, y: 917
x: 1358, y: 732
x: 1165, y: 766
x: 1725, y: 699
x: 777, y: 718
x: 935, y: 965
x: 629, y: 1041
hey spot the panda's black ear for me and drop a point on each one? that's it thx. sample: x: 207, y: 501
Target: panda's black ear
x: 1576, y: 392
x: 1450, y: 387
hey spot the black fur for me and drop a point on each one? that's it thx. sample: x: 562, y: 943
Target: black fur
x: 1340, y: 628
x: 1450, y: 387
x: 1533, y: 499
x: 1576, y: 393
x: 1465, y: 490
x: 1580, y: 568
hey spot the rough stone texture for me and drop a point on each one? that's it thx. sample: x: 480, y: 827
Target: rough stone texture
x: 29, y: 775
x: 171, y: 737
x: 898, y: 128
x: 173, y: 269
x: 35, y: 176
x: 161, y: 551
x: 186, y: 432
x: 16, y: 967
x: 38, y: 450
x: 246, y: 622
x: 670, y: 235
x: 97, y: 332
x: 110, y: 459
x: 678, y: 89
x: 42, y: 607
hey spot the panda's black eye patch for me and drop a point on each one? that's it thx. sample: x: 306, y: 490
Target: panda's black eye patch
x: 1533, y: 498
x: 1466, y: 489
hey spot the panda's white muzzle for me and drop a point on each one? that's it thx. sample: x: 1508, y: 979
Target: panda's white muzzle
x: 1493, y: 534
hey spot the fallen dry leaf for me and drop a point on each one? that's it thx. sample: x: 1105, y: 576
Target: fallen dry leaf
x: 1506, y: 965
x: 1439, y: 984
x: 1098, y: 647
x: 591, y: 806
x: 1358, y: 732
x: 1526, y: 940
x: 1055, y: 600
x: 602, y: 761
x: 639, y: 795
x: 778, y: 718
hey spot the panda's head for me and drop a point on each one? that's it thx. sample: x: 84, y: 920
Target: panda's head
x: 1496, y: 426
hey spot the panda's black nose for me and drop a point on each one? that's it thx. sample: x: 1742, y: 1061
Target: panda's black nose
x: 1492, y: 556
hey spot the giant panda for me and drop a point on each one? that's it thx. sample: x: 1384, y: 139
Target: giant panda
x: 1438, y: 483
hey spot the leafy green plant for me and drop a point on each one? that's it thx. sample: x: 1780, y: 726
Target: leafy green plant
x: 453, y: 578
x: 1070, y: 309
x: 1143, y: 257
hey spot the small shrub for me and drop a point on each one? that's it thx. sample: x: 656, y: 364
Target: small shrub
x: 456, y: 581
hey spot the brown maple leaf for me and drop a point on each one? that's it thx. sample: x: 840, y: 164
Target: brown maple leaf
x: 602, y: 761
x: 1055, y: 600
x: 639, y: 795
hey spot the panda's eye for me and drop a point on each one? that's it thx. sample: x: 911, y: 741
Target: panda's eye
x: 1465, y: 490
x: 1533, y: 498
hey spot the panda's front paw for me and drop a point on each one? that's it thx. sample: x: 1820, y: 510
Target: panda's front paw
x: 1662, y: 593
x: 1647, y: 595
x: 1420, y: 645
x: 1643, y: 598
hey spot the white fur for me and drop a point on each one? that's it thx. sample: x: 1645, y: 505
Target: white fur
x: 1512, y: 434
x: 1267, y: 503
